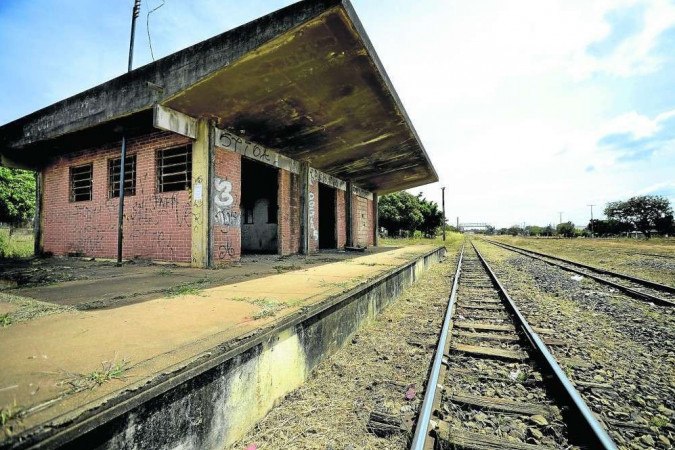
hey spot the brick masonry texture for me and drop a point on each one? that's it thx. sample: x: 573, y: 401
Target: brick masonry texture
x: 156, y: 225
x: 289, y: 213
x: 225, y: 207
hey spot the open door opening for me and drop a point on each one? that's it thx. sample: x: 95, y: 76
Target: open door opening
x: 259, y: 189
x: 327, y: 217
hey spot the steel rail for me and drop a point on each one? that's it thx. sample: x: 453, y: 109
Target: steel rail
x: 422, y: 428
x: 628, y: 290
x: 589, y: 429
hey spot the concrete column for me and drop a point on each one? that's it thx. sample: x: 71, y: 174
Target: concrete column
x: 38, y: 248
x: 304, y: 208
x: 376, y: 220
x: 200, y: 196
x: 349, y: 204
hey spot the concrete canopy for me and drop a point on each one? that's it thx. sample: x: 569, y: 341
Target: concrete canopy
x: 303, y: 80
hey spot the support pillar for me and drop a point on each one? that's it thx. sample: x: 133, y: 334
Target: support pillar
x: 200, y: 195
x: 304, y: 208
x: 376, y: 220
x: 38, y: 248
x: 349, y: 204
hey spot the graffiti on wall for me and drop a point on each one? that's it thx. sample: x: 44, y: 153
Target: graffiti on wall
x: 255, y: 151
x: 312, y: 215
x: 222, y: 204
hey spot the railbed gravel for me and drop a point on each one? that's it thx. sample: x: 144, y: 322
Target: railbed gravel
x: 619, y: 351
x: 384, y: 359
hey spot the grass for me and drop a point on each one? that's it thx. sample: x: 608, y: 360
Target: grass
x: 164, y: 272
x: 450, y: 240
x: 5, y: 320
x: 268, y: 307
x: 659, y: 422
x: 9, y: 414
x: 27, y: 309
x: 190, y: 288
x: 652, y: 259
x: 282, y: 269
x: 18, y: 245
x: 110, y: 370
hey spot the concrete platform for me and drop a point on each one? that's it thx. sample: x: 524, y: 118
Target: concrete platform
x: 194, y: 369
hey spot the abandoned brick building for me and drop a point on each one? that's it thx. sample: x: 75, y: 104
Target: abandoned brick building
x: 274, y: 137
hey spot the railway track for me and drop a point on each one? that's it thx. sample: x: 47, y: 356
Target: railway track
x: 494, y: 383
x: 638, y: 288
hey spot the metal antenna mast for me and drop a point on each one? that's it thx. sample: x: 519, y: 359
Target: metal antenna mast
x: 123, y: 158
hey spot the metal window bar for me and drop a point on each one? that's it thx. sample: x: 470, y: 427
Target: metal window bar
x: 81, y: 183
x: 174, y: 169
x: 129, y: 176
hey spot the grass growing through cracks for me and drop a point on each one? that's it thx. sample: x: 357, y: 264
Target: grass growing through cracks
x: 110, y: 370
x: 9, y: 414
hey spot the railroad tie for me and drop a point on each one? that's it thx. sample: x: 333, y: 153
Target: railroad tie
x: 489, y: 352
x: 488, y: 336
x: 501, y: 405
x: 467, y: 439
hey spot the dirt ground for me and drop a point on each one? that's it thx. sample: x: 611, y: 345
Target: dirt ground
x: 388, y: 358
x: 652, y: 259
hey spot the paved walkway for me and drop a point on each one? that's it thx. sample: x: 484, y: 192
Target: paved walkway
x: 49, y: 363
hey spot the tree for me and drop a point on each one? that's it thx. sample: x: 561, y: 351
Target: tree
x: 432, y: 216
x: 515, y: 230
x: 609, y: 227
x: 644, y: 212
x: 566, y: 229
x: 404, y: 211
x: 548, y: 230
x: 17, y: 195
x: 534, y: 230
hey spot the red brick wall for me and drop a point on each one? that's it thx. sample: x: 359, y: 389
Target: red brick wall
x: 341, y: 215
x: 289, y: 213
x: 225, y: 206
x: 156, y: 226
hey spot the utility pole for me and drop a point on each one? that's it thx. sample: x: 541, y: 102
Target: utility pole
x: 123, y: 157
x: 591, y: 219
x: 560, y: 213
x: 443, y: 206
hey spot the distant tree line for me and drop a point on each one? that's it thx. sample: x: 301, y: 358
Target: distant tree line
x: 402, y: 213
x: 647, y: 214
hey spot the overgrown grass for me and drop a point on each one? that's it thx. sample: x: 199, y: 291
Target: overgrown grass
x: 110, y: 370
x: 652, y: 259
x: 18, y: 245
x: 190, y: 288
x: 9, y: 413
x: 5, y: 320
x: 282, y: 269
x: 451, y: 238
x: 268, y: 307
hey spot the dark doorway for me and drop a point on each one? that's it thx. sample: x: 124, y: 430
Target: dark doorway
x: 259, y: 207
x: 327, y: 219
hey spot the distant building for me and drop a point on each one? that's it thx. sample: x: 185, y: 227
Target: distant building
x: 277, y: 136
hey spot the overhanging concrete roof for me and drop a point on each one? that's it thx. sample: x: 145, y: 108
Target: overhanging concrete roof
x: 304, y: 80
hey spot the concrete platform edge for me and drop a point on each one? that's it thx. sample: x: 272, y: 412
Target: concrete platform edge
x: 219, y: 380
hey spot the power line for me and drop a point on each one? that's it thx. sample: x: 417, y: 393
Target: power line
x: 147, y: 27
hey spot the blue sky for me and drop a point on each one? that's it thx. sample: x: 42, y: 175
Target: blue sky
x: 526, y: 107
